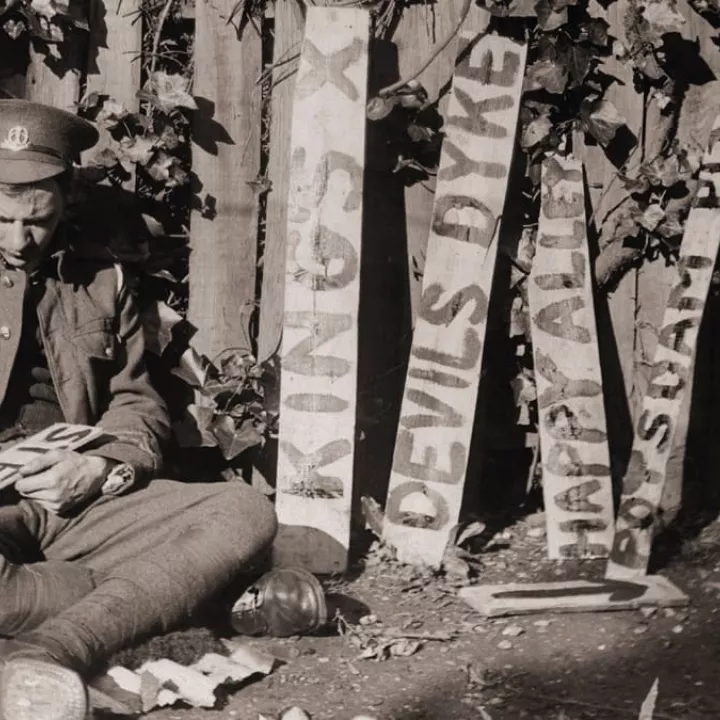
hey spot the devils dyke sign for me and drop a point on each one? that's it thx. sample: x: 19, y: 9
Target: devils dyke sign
x: 437, y: 414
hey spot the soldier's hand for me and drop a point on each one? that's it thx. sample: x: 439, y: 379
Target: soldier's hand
x: 61, y: 479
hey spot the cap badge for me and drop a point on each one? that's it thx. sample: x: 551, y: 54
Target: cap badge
x: 17, y: 139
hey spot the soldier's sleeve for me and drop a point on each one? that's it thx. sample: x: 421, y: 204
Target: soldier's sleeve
x: 136, y: 416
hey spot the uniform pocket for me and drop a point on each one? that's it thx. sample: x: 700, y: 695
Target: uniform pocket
x: 96, y: 338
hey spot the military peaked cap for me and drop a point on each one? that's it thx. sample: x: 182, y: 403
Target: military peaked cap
x: 39, y: 141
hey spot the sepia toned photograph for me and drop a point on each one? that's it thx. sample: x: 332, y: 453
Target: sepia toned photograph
x: 359, y: 359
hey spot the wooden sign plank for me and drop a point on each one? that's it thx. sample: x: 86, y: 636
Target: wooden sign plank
x: 572, y: 596
x: 436, y: 419
x: 656, y: 425
x: 322, y: 284
x: 577, y: 484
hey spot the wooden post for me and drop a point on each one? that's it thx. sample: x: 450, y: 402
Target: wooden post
x: 573, y: 430
x: 655, y: 428
x: 436, y: 418
x: 288, y: 39
x: 322, y: 292
x: 226, y: 156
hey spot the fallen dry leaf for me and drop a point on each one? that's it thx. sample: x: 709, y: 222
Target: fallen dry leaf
x: 294, y: 713
x: 513, y: 631
x: 647, y: 709
x: 195, y: 688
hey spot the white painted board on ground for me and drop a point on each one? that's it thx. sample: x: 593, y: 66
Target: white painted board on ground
x: 322, y: 285
x: 644, y: 480
x: 60, y: 436
x: 572, y: 596
x: 577, y: 485
x: 438, y: 407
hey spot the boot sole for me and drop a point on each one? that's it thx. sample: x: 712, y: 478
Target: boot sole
x: 36, y: 690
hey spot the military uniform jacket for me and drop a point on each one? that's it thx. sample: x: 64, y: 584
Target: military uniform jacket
x: 94, y: 344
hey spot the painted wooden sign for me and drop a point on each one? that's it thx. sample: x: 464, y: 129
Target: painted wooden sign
x: 60, y: 436
x: 572, y: 596
x: 577, y: 485
x: 436, y: 419
x: 677, y: 340
x: 319, y: 347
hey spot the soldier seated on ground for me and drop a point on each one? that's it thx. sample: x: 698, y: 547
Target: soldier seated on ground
x: 96, y: 552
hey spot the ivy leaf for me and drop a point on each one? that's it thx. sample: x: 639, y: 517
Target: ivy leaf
x: 597, y: 32
x: 670, y: 227
x: 419, y: 133
x: 104, y: 158
x: 194, y: 428
x: 231, y: 440
x: 667, y: 171
x: 662, y: 17
x: 652, y: 217
x: 139, y: 149
x: 46, y: 8
x: 549, y: 18
x: 169, y: 92
x: 547, y: 75
x: 579, y: 61
x: 111, y: 114
x: 535, y: 132
x: 600, y: 119
x: 14, y: 28
x: 647, y: 64
x: 635, y: 186
x: 167, y: 169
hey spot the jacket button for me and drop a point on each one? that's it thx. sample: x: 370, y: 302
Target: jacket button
x: 108, y: 351
x: 4, y: 332
x: 6, y: 281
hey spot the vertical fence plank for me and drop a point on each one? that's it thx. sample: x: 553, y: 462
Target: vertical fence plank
x: 616, y: 312
x: 288, y: 38
x: 114, y: 54
x: 226, y: 156
x: 419, y: 28
x: 58, y: 82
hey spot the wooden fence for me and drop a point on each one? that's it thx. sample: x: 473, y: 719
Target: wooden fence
x: 224, y: 287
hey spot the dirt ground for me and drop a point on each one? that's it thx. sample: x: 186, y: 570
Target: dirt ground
x: 537, y: 667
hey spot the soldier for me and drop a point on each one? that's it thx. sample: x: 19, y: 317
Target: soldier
x: 95, y: 550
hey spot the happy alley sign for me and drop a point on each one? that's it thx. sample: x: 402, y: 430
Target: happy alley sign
x: 319, y: 350
x: 572, y: 425
x: 644, y: 480
x: 436, y: 419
